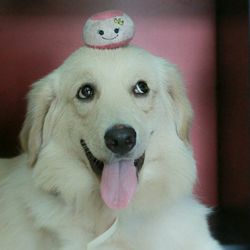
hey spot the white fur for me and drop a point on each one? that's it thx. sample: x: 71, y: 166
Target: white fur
x: 49, y: 195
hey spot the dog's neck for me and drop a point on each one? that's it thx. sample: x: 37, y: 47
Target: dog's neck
x: 99, y: 216
x: 94, y: 214
x: 93, y: 217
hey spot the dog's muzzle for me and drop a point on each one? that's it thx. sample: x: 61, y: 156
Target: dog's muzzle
x: 118, y: 177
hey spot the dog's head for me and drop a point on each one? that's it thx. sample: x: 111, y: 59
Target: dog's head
x: 107, y: 120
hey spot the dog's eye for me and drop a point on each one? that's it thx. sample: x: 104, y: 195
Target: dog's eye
x: 86, y: 92
x: 141, y: 88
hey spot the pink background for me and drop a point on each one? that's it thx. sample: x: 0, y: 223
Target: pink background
x: 36, y: 39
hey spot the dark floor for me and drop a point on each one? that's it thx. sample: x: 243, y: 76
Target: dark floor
x: 232, y: 228
x: 236, y: 247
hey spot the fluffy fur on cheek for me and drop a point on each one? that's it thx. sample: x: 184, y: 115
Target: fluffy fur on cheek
x: 56, y: 171
x: 169, y: 173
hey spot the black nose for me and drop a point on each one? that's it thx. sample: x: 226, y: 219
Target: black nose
x: 120, y: 139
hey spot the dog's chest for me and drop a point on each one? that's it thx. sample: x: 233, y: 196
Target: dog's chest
x: 84, y: 231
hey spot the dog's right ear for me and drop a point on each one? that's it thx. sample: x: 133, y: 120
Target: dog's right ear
x: 39, y: 101
x: 182, y: 110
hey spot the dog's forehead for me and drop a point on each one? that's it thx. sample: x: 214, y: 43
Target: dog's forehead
x: 111, y: 61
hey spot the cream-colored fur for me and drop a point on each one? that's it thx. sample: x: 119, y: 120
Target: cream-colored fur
x: 49, y: 195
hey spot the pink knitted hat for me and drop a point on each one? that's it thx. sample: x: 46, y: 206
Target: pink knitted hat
x: 108, y: 30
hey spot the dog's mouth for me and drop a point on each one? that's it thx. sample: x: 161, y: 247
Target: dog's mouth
x: 97, y: 165
x: 118, y: 180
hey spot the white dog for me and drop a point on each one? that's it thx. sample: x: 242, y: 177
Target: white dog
x: 107, y: 162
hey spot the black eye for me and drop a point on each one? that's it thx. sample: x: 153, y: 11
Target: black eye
x: 101, y: 32
x: 86, y: 92
x: 141, y: 88
x: 116, y: 30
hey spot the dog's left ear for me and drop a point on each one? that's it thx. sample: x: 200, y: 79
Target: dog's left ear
x: 40, y: 99
x: 182, y: 110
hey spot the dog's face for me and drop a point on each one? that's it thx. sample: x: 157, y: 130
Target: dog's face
x: 107, y: 115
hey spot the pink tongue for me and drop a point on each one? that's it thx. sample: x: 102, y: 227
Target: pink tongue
x: 118, y: 184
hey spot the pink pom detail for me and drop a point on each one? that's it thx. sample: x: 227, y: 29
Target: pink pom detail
x: 107, y: 14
